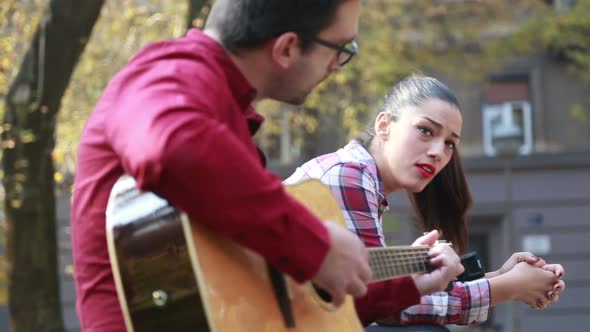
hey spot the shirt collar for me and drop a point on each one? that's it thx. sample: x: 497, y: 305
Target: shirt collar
x: 361, y: 154
x: 255, y: 120
x: 239, y: 86
x: 237, y: 82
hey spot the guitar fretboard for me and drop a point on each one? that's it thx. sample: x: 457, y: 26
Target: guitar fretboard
x: 391, y: 262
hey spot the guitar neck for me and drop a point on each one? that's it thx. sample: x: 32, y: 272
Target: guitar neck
x: 391, y: 262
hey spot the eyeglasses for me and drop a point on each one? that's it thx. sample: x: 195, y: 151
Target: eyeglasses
x: 345, y: 52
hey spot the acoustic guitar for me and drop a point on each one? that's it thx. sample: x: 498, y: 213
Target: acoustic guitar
x: 172, y: 274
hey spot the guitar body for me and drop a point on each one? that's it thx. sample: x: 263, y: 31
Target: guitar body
x: 174, y: 274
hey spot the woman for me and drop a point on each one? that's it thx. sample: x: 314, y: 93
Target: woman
x: 413, y: 146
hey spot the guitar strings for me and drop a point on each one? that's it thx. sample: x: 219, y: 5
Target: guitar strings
x: 387, y: 263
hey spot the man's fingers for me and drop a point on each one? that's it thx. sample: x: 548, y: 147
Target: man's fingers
x: 357, y: 288
x: 366, y: 274
x: 338, y: 298
x: 345, y: 269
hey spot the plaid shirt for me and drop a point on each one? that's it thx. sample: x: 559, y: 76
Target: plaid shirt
x: 352, y: 175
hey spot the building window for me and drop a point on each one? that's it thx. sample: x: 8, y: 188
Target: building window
x: 507, y: 116
x: 507, y: 123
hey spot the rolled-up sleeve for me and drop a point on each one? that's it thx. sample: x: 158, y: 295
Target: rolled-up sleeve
x: 466, y: 304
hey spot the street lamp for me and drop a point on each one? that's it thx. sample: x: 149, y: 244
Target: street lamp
x: 507, y: 144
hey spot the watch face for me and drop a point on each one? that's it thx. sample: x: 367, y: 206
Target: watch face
x: 473, y: 265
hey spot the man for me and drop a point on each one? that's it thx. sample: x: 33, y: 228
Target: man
x: 178, y: 118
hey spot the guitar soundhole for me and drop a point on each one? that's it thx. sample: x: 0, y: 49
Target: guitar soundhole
x: 324, y: 295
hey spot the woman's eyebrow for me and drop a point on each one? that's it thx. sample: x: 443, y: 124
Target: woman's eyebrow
x: 440, y: 126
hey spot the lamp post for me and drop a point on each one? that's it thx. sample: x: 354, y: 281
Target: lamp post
x: 507, y: 147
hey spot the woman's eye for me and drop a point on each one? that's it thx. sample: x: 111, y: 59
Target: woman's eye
x: 425, y: 130
x: 451, y: 145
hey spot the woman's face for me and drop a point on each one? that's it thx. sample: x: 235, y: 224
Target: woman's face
x: 418, y: 145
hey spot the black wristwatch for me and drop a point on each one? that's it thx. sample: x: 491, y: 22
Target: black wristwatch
x: 474, y: 268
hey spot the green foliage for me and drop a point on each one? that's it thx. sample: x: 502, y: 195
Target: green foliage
x: 124, y: 27
x: 580, y: 114
x: 565, y: 34
x: 392, y: 222
x: 18, y: 20
x: 398, y: 38
x: 465, y: 39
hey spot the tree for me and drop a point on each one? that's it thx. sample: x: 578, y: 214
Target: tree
x: 565, y: 35
x: 12, y: 23
x: 28, y: 139
x: 124, y: 27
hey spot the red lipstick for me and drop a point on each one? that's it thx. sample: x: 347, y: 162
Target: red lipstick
x: 426, y: 170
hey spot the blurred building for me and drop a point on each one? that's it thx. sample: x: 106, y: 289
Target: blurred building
x: 527, y: 137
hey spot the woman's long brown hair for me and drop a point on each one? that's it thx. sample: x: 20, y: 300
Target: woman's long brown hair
x: 444, y: 203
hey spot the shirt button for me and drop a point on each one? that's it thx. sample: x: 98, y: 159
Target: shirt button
x: 299, y: 274
x: 283, y: 261
x: 240, y: 237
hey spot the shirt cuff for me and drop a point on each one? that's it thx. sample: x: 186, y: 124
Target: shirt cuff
x: 386, y: 298
x: 477, y: 305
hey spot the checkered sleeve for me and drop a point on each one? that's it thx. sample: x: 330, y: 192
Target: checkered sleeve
x: 466, y: 304
x: 356, y: 192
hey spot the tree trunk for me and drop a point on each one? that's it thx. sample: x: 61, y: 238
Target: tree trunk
x: 194, y: 11
x: 28, y: 139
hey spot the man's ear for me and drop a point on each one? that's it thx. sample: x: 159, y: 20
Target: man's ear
x: 286, y: 49
x: 382, y: 127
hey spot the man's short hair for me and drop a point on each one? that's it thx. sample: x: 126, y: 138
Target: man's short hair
x: 243, y: 24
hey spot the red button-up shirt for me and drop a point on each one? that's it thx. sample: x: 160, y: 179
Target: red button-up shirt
x: 178, y: 118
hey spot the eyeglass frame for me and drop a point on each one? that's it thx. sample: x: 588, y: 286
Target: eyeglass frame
x: 341, y: 49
